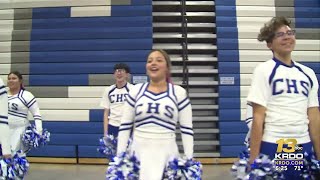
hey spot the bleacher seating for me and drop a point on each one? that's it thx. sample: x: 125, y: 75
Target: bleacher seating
x: 66, y: 51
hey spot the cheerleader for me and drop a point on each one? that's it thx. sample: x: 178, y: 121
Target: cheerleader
x: 4, y: 128
x: 113, y: 99
x: 20, y: 103
x: 284, y: 98
x: 154, y: 109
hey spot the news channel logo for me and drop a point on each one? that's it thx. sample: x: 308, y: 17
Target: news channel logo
x: 289, y: 152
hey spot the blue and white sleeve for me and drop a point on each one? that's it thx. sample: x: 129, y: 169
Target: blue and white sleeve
x: 248, y: 120
x: 4, y: 128
x: 4, y: 103
x: 33, y: 106
x: 127, y: 121
x: 185, y: 121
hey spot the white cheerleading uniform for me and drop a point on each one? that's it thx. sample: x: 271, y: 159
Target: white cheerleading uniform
x: 154, y: 118
x: 113, y: 99
x: 286, y: 92
x: 19, y: 106
x: 4, y: 128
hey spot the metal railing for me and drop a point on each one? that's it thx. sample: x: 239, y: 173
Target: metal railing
x: 184, y: 44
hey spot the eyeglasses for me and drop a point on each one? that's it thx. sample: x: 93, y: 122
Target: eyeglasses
x: 119, y: 71
x: 289, y: 33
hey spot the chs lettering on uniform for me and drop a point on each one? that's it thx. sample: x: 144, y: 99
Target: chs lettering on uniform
x: 153, y: 108
x: 117, y: 98
x: 290, y: 86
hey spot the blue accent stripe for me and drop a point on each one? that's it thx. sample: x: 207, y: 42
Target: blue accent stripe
x: 3, y: 117
x: 126, y: 87
x: 126, y: 124
x: 12, y: 97
x: 299, y: 68
x: 182, y: 101
x: 248, y: 120
x: 18, y: 113
x: 153, y: 122
x: 20, y: 96
x: 36, y: 117
x: 141, y: 91
x: 157, y: 118
x: 132, y: 105
x: 111, y: 90
x: 3, y: 122
x: 131, y: 98
x: 4, y: 92
x: 180, y: 109
x: 184, y: 127
x: 32, y: 101
x: 273, y: 73
x: 155, y: 98
x: 184, y: 132
x: 123, y: 129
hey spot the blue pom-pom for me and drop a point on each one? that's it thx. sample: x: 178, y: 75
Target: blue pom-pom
x: 7, y: 169
x: 21, y: 164
x: 32, y: 138
x: 13, y: 168
x: 261, y: 168
x: 122, y: 167
x: 108, y: 146
x: 311, y: 167
x: 183, y: 168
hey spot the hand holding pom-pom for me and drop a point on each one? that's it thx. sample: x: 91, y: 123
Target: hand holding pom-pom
x: 108, y: 146
x: 182, y: 168
x: 33, y: 138
x: 261, y: 168
x: 14, y: 168
x: 123, y: 167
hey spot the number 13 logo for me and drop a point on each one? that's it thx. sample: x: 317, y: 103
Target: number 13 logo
x: 291, y: 145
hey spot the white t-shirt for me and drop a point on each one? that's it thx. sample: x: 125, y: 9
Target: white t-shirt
x: 113, y: 98
x: 286, y: 92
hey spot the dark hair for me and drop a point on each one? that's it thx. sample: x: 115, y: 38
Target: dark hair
x: 168, y: 60
x: 19, y: 75
x: 122, y: 66
x: 267, y: 32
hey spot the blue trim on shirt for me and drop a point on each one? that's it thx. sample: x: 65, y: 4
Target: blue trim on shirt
x: 299, y: 68
x: 157, y: 118
x: 153, y: 122
x: 180, y: 109
x: 184, y: 132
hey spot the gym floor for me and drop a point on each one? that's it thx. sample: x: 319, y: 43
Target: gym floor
x: 97, y: 172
